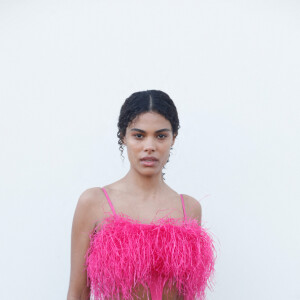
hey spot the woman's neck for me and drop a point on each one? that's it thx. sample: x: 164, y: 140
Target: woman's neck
x: 144, y: 184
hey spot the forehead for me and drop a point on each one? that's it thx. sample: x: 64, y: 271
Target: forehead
x: 150, y: 121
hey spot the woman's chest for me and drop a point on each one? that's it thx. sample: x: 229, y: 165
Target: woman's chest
x: 161, y: 261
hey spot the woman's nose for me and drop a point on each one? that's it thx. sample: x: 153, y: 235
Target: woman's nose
x: 149, y: 148
x: 149, y: 145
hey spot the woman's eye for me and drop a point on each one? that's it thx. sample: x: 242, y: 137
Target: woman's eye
x: 161, y: 136
x: 138, y: 135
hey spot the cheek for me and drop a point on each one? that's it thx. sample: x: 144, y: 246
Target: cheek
x: 133, y: 148
x: 166, y: 152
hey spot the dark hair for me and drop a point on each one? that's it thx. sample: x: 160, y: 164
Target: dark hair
x: 145, y: 101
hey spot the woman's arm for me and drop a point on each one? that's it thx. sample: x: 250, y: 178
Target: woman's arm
x: 83, y: 223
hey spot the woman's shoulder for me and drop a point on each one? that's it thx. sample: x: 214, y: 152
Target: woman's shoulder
x: 91, y: 196
x: 91, y: 204
x: 193, y: 207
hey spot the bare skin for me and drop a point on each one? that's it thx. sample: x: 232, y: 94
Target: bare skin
x: 141, y: 194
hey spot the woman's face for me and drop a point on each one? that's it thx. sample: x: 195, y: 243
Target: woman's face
x: 148, y: 140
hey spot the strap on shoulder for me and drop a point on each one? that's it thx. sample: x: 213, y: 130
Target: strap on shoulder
x: 183, y: 207
x: 109, y: 201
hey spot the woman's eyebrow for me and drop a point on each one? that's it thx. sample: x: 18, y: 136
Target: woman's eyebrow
x: 143, y: 131
x: 161, y: 130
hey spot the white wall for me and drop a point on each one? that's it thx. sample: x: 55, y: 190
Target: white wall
x: 232, y: 68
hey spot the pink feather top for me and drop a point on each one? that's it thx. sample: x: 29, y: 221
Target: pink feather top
x: 124, y: 253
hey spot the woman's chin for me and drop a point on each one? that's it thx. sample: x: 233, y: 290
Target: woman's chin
x: 150, y: 171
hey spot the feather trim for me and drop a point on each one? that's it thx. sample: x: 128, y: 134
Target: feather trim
x: 124, y: 253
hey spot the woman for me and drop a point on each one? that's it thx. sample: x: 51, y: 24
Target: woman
x: 137, y: 238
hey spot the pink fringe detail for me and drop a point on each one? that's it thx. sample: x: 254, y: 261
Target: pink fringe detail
x: 124, y: 253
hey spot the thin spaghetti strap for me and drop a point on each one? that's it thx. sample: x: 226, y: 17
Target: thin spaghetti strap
x: 109, y: 201
x: 183, y: 207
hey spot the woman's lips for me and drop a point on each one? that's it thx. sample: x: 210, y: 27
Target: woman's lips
x: 149, y: 162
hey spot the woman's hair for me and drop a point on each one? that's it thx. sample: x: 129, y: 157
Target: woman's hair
x: 142, y: 102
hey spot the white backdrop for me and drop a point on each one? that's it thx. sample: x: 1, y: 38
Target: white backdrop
x: 232, y: 69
